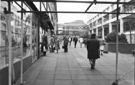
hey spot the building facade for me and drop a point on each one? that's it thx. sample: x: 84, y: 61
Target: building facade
x: 52, y: 6
x: 103, y: 24
x: 27, y: 33
x: 30, y: 27
x: 77, y: 28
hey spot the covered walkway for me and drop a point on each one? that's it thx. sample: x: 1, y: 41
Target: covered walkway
x: 61, y: 68
x: 73, y: 68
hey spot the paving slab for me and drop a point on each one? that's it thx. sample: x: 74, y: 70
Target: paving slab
x: 73, y: 68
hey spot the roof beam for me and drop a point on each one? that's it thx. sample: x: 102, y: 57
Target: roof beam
x: 75, y: 1
x: 88, y: 7
x: 19, y: 6
x: 74, y: 12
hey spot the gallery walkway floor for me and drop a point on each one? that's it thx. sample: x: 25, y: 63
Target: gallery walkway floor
x: 73, y: 68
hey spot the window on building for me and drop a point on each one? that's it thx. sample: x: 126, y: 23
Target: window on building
x: 128, y: 8
x: 106, y: 31
x: 106, y: 17
x: 114, y: 28
x: 129, y: 25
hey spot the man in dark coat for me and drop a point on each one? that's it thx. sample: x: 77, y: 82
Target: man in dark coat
x: 93, y: 50
x: 75, y: 41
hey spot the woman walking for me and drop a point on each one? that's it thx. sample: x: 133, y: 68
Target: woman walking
x: 65, y: 44
x: 57, y: 47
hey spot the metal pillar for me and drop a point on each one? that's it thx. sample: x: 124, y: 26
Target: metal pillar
x: 130, y: 33
x: 134, y: 64
x: 8, y: 20
x: 103, y: 32
x: 38, y: 36
x: 110, y: 27
x: 117, y: 41
x: 121, y: 25
x: 21, y: 81
x: 97, y: 31
x: 31, y: 35
x: 117, y: 45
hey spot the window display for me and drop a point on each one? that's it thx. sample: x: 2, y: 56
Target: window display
x: 34, y: 52
x: 3, y: 41
x: 16, y: 38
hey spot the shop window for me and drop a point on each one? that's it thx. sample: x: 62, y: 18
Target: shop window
x: 16, y: 38
x: 3, y: 41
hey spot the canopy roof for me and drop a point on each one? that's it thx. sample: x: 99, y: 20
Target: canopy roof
x: 90, y: 3
x: 80, y: 1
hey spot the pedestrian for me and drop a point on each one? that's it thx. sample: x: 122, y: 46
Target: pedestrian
x: 69, y: 39
x: 57, y: 47
x: 102, y: 44
x: 44, y: 45
x: 65, y: 44
x: 81, y: 41
x: 52, y: 44
x: 93, y: 50
x: 75, y: 39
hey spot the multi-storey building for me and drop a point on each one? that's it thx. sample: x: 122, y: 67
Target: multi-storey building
x: 77, y: 27
x: 103, y: 24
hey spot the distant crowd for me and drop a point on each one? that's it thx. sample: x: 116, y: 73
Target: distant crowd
x: 94, y: 46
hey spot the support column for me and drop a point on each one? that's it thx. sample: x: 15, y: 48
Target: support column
x: 10, y: 50
x: 37, y: 40
x: 8, y: 22
x: 103, y: 33
x: 89, y: 32
x: 22, y: 31
x: 110, y: 16
x: 31, y: 34
x: 121, y: 25
x: 38, y: 36
x: 92, y: 31
x: 110, y: 27
x: 96, y: 31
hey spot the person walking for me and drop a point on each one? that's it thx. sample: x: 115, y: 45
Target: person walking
x: 70, y: 40
x: 75, y: 41
x: 81, y: 41
x: 93, y: 50
x: 57, y: 47
x: 102, y: 44
x: 65, y: 44
x: 51, y: 44
x: 44, y: 45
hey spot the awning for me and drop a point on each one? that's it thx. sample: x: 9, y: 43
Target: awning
x: 50, y: 25
x: 44, y: 18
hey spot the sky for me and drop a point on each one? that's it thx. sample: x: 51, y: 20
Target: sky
x: 64, y: 17
x: 70, y: 17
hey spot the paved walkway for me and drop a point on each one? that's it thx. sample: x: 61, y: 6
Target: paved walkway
x: 73, y: 68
